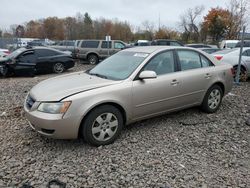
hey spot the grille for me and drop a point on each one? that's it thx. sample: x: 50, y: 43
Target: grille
x: 29, y: 102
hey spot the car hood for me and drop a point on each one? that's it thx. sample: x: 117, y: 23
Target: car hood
x: 58, y: 88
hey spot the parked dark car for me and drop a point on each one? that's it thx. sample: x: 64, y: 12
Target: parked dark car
x: 35, y: 60
x: 166, y: 42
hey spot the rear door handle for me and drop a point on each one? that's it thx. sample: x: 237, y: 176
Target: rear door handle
x: 174, y: 82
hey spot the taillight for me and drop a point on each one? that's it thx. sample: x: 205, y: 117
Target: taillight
x: 233, y: 71
x: 218, y: 57
x: 7, y: 52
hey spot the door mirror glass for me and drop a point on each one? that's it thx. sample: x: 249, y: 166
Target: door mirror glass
x: 147, y: 75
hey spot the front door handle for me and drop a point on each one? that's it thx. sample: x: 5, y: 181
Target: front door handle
x: 208, y: 76
x: 174, y: 82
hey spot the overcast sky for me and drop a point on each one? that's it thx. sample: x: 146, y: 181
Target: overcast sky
x: 133, y: 11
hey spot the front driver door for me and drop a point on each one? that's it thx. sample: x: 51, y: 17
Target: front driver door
x: 158, y: 95
x: 25, y: 63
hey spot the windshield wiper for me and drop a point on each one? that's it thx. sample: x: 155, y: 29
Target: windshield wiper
x: 98, y: 75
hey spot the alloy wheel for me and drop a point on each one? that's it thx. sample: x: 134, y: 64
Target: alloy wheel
x: 104, y: 127
x: 58, y: 68
x: 214, y: 99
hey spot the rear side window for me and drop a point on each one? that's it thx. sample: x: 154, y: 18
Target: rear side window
x: 106, y: 44
x: 90, y: 44
x: 45, y: 53
x: 189, y: 59
x: 205, y: 62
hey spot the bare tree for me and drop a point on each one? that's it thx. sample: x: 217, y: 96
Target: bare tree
x: 189, y: 22
x: 148, y: 29
x: 239, y: 17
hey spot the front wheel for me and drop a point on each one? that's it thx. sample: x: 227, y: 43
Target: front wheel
x: 58, y: 68
x: 4, y: 71
x: 212, y: 99
x: 102, y: 126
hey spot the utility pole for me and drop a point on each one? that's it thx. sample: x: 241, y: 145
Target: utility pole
x: 159, y: 22
x: 240, y: 57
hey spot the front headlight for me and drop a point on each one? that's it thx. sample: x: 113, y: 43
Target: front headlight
x: 54, y: 107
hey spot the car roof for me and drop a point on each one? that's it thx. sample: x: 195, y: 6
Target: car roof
x: 151, y: 49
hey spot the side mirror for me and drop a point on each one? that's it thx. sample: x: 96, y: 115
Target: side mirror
x: 147, y: 75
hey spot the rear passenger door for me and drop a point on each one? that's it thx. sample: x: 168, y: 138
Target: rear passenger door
x: 45, y: 59
x: 195, y: 76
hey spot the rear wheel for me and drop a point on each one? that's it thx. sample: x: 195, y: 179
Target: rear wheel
x: 93, y: 59
x: 212, y: 99
x: 58, y: 68
x: 102, y: 126
x: 243, y: 74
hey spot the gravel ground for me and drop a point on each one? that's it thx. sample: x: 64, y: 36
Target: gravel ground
x: 184, y: 149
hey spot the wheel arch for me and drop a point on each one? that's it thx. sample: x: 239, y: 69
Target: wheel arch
x: 92, y: 53
x: 242, y: 66
x: 112, y: 103
x: 220, y: 84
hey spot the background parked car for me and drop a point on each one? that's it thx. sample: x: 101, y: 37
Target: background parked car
x: 36, y: 60
x: 95, y: 50
x: 246, y: 43
x: 66, y: 45
x: 166, y: 42
x: 142, y: 43
x: 228, y: 44
x: 210, y: 50
x: 201, y: 45
x: 4, y: 52
x: 232, y: 57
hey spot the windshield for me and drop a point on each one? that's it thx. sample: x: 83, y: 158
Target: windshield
x: 119, y: 66
x: 16, y: 53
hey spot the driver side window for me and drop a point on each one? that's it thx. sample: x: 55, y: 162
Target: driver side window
x: 119, y: 45
x: 27, y: 57
x: 162, y: 63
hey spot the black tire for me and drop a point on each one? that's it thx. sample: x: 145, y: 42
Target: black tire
x: 93, y: 59
x: 211, y: 104
x: 243, y: 74
x: 4, y: 72
x: 58, y: 67
x: 98, y: 130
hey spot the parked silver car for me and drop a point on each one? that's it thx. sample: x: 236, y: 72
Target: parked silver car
x: 134, y: 84
x: 232, y: 57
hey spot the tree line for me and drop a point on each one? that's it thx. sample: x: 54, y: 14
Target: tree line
x: 217, y: 24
